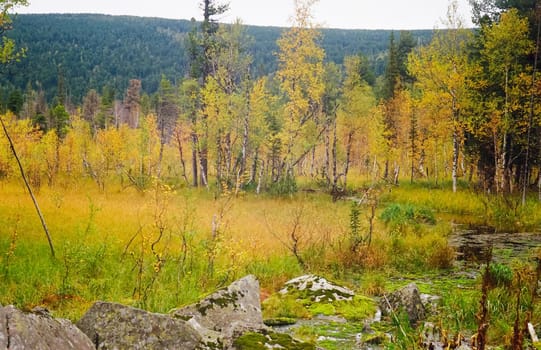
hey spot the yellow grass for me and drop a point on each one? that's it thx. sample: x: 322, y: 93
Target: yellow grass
x: 257, y: 225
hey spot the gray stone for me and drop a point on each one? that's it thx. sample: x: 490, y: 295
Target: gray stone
x: 115, y: 326
x: 317, y: 289
x: 19, y: 331
x: 228, y: 310
x: 431, y: 302
x: 407, y: 298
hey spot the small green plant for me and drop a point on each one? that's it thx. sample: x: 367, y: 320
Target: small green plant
x: 285, y: 186
x: 399, y: 217
x: 500, y: 275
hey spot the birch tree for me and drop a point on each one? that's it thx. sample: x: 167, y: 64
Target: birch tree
x: 505, y: 45
x: 300, y: 75
x: 441, y: 70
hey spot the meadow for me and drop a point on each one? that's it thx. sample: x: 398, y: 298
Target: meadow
x: 166, y: 247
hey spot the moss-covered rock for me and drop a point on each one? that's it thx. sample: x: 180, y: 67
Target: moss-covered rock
x: 39, y: 330
x: 358, y: 309
x: 228, y: 307
x: 408, y: 299
x: 328, y: 315
x: 316, y: 289
x: 115, y: 326
x: 301, y: 303
x: 279, y: 305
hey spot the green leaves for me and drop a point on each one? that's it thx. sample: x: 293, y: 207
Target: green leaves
x: 7, y: 47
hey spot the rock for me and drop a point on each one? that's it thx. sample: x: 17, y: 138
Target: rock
x: 40, y: 331
x: 230, y: 311
x: 407, y: 298
x: 115, y: 326
x: 430, y: 302
x: 317, y: 289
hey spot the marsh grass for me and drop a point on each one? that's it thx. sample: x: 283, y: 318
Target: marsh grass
x: 131, y: 247
x: 153, y: 248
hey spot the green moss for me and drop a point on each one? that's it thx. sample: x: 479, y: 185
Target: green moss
x: 254, y: 341
x: 332, y: 335
x: 202, y: 308
x: 322, y: 309
x: 284, y: 306
x: 360, y: 308
x: 226, y: 299
x: 183, y: 317
x: 258, y: 341
x: 279, y: 321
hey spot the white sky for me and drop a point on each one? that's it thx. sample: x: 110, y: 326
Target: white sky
x: 352, y: 14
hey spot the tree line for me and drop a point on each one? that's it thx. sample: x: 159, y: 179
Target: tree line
x: 463, y: 106
x: 101, y: 52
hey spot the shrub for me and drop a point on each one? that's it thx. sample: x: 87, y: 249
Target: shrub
x: 398, y: 217
x: 284, y: 186
x: 442, y: 256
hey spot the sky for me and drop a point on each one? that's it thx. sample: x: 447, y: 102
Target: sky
x: 347, y: 14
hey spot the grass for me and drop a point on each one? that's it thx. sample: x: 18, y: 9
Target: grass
x: 92, y: 232
x: 165, y: 248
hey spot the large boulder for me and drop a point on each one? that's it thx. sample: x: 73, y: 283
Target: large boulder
x: 229, y: 312
x: 227, y: 319
x: 115, y: 326
x: 39, y: 331
x: 408, y: 299
x: 316, y: 289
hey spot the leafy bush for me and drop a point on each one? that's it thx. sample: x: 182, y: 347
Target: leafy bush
x: 284, y: 186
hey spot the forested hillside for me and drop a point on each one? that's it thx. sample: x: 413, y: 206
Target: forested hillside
x: 89, y: 51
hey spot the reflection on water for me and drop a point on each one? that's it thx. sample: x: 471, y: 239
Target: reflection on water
x: 472, y: 244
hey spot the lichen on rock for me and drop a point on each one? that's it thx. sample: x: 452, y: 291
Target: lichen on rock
x: 115, y: 326
x: 407, y: 298
x: 232, y: 306
x: 19, y: 330
x: 317, y: 289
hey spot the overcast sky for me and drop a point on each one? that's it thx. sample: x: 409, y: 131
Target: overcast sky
x: 354, y: 14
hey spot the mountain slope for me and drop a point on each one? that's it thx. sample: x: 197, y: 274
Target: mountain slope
x: 91, y: 51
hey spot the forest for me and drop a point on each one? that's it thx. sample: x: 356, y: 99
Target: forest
x: 103, y: 52
x: 171, y: 157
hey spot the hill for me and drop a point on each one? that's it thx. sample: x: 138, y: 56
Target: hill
x: 90, y: 51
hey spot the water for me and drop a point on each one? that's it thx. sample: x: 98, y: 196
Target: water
x: 473, y: 244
